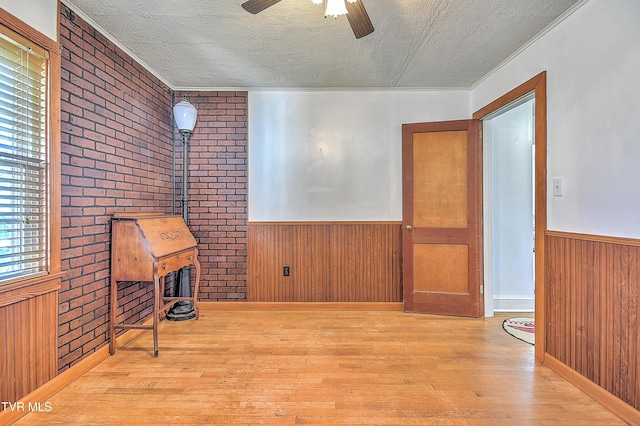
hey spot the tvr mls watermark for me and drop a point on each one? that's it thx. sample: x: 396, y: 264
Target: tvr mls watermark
x: 41, y: 407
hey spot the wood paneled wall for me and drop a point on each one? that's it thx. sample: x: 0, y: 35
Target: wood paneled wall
x: 592, y: 309
x: 28, y: 345
x: 329, y: 262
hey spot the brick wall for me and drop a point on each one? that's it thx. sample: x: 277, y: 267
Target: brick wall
x: 116, y: 155
x: 118, y: 143
x: 218, y: 191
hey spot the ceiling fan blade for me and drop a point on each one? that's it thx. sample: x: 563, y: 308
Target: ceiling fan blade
x: 359, y: 19
x: 256, y: 6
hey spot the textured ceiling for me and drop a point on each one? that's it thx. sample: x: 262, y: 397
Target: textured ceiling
x: 416, y: 44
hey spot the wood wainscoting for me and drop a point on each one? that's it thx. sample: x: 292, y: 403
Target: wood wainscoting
x: 593, y: 309
x: 328, y: 262
x: 29, y: 337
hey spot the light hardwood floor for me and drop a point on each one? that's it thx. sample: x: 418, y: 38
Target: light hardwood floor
x: 324, y: 367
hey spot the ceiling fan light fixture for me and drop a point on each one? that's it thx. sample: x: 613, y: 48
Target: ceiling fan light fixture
x: 354, y: 10
x: 335, y: 8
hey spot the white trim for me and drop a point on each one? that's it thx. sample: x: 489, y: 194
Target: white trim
x: 513, y: 297
x: 324, y: 89
x: 489, y: 308
x: 514, y: 303
x: 111, y: 38
x: 535, y: 38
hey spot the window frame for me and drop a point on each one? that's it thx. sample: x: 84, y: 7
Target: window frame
x: 17, y: 289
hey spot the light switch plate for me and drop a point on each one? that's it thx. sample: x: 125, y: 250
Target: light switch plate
x: 558, y: 187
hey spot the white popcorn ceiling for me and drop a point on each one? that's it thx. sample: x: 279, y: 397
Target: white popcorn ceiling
x: 207, y: 44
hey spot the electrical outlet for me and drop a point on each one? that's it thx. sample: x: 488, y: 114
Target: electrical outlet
x: 285, y: 271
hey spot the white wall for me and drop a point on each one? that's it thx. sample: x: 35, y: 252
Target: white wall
x: 592, y: 60
x: 335, y: 155
x: 40, y: 14
x: 509, y: 137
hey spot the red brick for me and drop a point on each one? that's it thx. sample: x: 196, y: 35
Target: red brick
x: 118, y: 145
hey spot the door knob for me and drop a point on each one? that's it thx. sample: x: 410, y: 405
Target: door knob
x: 409, y: 228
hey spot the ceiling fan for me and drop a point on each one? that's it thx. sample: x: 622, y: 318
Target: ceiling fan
x: 356, y: 13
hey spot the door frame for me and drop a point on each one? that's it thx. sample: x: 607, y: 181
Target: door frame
x: 538, y: 86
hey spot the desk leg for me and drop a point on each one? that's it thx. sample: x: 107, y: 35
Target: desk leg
x: 156, y: 310
x: 113, y: 311
x: 197, y: 284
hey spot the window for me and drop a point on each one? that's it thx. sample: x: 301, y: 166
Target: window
x: 26, y: 176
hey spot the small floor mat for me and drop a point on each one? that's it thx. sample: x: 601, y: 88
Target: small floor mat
x: 520, y: 328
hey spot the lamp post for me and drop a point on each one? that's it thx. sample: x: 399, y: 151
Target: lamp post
x: 185, y: 115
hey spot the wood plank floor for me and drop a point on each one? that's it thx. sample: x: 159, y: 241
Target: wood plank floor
x: 324, y: 367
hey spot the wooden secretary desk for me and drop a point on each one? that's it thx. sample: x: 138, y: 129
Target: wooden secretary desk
x: 146, y: 247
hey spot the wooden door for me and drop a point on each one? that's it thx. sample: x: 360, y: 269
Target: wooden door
x: 441, y: 238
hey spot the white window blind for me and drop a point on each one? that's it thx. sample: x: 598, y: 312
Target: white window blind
x: 23, y: 158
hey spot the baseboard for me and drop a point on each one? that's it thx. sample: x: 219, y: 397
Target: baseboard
x: 508, y: 303
x: 614, y: 404
x: 300, y: 306
x: 39, y: 397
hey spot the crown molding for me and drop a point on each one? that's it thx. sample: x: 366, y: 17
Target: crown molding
x: 112, y: 39
x: 535, y: 38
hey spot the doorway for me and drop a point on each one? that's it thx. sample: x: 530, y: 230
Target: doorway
x: 509, y: 207
x: 538, y: 87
